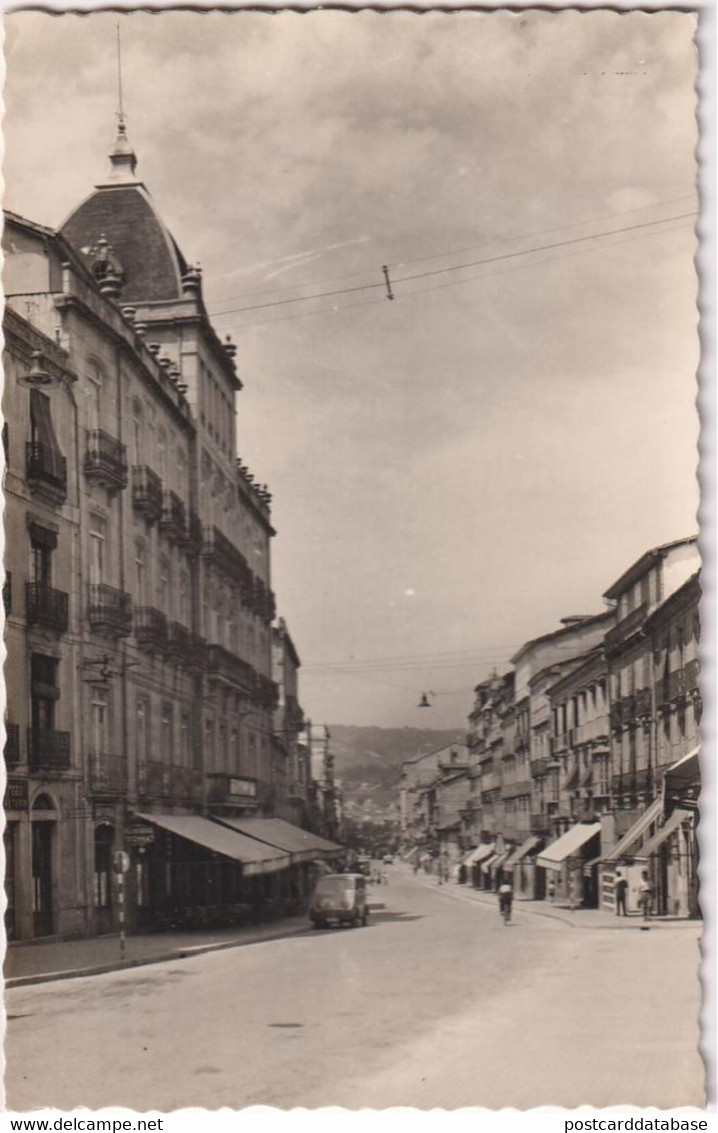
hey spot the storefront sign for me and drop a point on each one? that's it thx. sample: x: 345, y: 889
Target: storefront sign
x: 16, y: 797
x: 246, y: 788
x: 139, y: 835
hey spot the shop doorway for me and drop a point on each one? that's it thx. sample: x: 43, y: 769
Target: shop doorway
x: 42, y: 868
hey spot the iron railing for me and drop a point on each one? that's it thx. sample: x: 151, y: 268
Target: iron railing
x: 46, y: 607
x: 146, y: 493
x: 48, y: 751
x: 46, y: 469
x: 110, y: 610
x: 107, y: 774
x: 105, y: 459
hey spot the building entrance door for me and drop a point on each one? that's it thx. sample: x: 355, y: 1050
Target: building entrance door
x: 42, y: 878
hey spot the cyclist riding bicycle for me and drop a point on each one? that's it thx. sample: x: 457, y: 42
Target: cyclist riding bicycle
x: 506, y: 897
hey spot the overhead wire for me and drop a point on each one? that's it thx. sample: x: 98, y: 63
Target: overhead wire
x: 337, y: 308
x: 450, y: 252
x: 381, y: 285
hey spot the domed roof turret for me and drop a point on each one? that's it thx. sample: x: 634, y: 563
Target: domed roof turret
x: 122, y: 212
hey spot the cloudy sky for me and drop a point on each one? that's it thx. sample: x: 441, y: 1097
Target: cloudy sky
x: 457, y: 469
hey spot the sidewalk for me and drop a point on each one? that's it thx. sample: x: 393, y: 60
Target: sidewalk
x: 576, y: 918
x: 37, y: 962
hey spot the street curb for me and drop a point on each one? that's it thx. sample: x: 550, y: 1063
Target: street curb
x: 185, y: 953
x: 519, y: 906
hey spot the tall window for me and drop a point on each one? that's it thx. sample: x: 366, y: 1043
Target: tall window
x: 93, y: 396
x: 98, y: 719
x: 138, y: 431
x: 163, y: 584
x: 142, y: 726
x: 166, y: 733
x: 41, y: 558
x: 98, y: 549
x: 183, y: 597
x: 44, y: 691
x: 140, y: 571
x: 185, y: 738
x: 162, y: 452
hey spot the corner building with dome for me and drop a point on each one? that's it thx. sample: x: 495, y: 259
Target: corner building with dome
x: 143, y: 713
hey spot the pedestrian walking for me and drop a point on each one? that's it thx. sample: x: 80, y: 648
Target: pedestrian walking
x: 621, y: 891
x: 645, y: 895
x: 506, y: 898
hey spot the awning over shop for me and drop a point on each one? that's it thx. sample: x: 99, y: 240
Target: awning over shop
x: 677, y: 817
x: 488, y: 863
x: 521, y: 851
x: 499, y: 860
x: 255, y: 857
x: 479, y: 853
x: 301, y: 844
x: 622, y: 848
x: 568, y: 844
x: 681, y: 783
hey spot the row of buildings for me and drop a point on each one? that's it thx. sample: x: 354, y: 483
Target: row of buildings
x: 581, y: 763
x: 152, y: 693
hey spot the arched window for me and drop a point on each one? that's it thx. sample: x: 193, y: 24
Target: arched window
x: 104, y: 838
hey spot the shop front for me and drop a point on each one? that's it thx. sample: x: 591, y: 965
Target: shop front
x: 520, y: 866
x: 197, y: 873
x: 564, y: 860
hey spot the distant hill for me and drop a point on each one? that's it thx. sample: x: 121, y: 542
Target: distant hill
x: 368, y: 760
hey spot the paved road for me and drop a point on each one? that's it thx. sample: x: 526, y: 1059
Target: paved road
x: 436, y: 1003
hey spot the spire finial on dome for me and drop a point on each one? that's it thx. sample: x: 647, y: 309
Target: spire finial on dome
x: 123, y: 161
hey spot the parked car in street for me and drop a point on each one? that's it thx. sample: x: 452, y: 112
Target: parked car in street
x: 339, y: 898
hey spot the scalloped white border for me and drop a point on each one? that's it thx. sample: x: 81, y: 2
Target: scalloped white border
x: 258, y: 1119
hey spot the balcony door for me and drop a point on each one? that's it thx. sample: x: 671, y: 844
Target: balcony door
x: 98, y: 541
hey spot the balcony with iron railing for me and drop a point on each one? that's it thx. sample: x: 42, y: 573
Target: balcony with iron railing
x: 197, y: 651
x: 178, y: 642
x: 153, y: 779
x: 146, y: 493
x: 539, y: 822
x: 222, y: 553
x: 185, y: 784
x: 12, y: 745
x: 626, y: 627
x: 105, y: 460
x: 46, y: 471
x: 45, y: 607
x: 539, y: 767
x: 150, y: 629
x: 106, y: 775
x: 173, y: 520
x: 227, y: 666
x: 48, y: 751
x: 517, y: 788
x: 109, y: 610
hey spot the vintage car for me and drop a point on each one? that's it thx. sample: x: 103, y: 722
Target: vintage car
x: 339, y: 898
